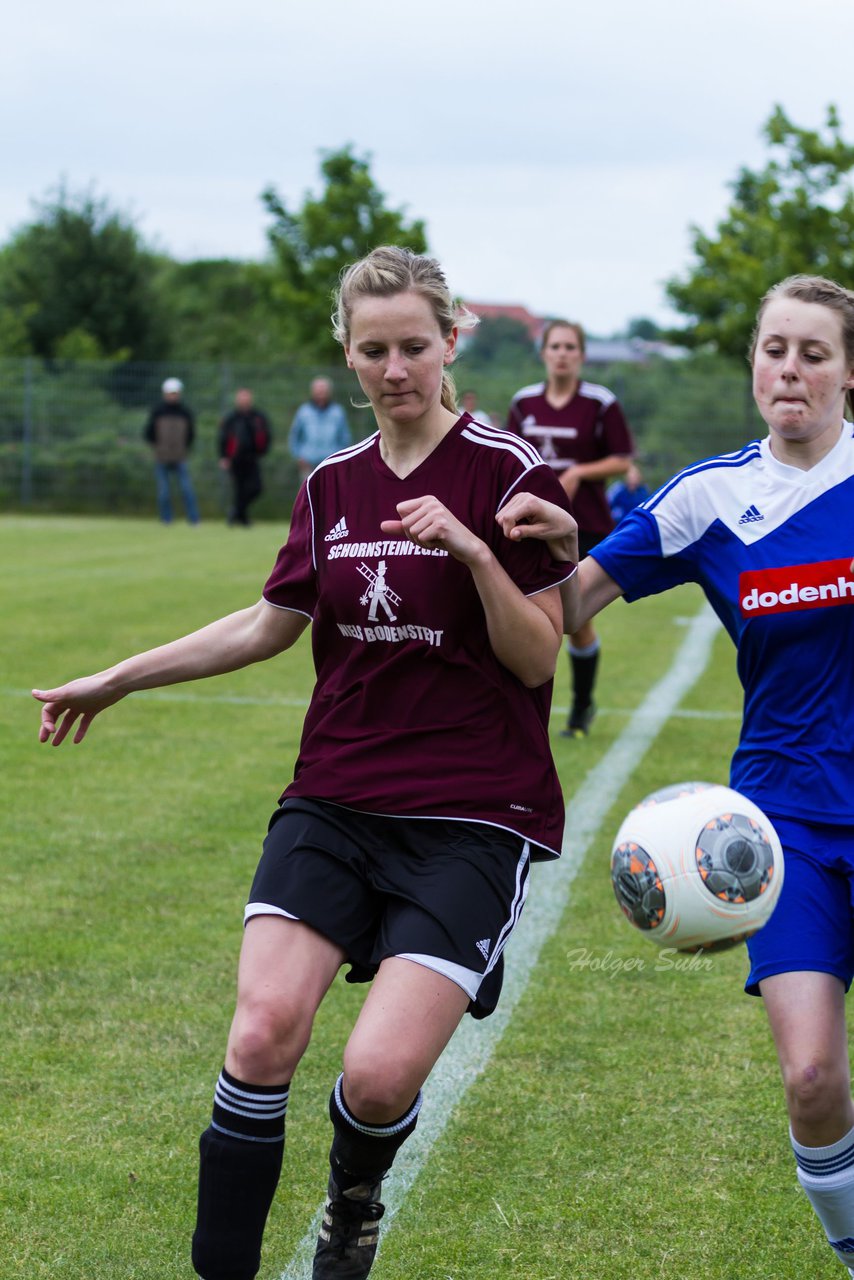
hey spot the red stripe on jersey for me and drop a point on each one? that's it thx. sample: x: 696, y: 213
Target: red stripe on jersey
x: 793, y: 587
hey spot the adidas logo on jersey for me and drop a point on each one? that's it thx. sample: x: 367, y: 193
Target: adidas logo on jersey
x: 752, y: 515
x: 483, y: 947
x: 337, y: 531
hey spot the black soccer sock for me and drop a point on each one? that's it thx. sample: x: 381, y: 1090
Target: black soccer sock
x: 583, y: 663
x: 241, y: 1158
x: 365, y: 1152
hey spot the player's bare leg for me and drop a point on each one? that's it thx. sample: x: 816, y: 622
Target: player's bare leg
x: 807, y: 1016
x: 285, y: 970
x: 407, y: 1020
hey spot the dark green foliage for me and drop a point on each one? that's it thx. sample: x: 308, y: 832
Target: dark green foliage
x: 219, y: 309
x: 499, y: 341
x: 795, y: 215
x: 644, y: 328
x: 328, y: 232
x: 682, y: 410
x: 77, y: 283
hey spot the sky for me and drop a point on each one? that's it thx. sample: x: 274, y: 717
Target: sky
x: 559, y: 153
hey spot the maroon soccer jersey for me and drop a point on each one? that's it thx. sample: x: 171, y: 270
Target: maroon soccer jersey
x: 412, y: 714
x: 589, y: 427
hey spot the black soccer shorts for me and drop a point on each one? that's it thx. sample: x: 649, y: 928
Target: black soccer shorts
x: 443, y: 892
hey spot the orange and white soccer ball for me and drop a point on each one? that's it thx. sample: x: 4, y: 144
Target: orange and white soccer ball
x: 697, y: 866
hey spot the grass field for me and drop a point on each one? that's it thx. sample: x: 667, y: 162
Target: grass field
x: 630, y: 1125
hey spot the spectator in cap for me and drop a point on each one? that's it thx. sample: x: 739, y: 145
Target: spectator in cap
x: 170, y: 431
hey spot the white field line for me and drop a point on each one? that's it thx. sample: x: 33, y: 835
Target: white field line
x: 469, y: 1052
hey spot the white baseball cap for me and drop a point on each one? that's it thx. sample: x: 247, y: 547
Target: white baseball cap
x: 171, y: 385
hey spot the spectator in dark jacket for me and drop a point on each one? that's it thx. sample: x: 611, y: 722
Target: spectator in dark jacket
x: 244, y: 437
x: 170, y: 431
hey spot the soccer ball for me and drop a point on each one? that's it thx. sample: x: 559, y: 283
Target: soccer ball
x: 697, y: 867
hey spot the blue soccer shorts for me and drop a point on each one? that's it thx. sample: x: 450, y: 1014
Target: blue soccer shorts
x: 812, y: 925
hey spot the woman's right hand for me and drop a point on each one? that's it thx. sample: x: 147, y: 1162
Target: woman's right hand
x: 78, y: 700
x: 527, y: 516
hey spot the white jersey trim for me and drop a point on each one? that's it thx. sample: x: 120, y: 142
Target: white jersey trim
x: 595, y: 391
x: 491, y: 438
x: 535, y: 389
x: 573, y: 571
x: 749, y: 492
x: 265, y: 909
x: 287, y: 608
x: 343, y: 455
x: 468, y: 979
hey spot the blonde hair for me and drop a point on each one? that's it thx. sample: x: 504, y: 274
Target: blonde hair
x: 818, y: 289
x: 389, y: 270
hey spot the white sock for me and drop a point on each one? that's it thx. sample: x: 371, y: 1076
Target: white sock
x: 827, y: 1176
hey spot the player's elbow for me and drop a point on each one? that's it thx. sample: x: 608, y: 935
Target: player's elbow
x: 539, y: 667
x: 538, y: 679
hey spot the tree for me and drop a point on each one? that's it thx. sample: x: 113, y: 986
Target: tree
x: 221, y: 309
x: 794, y: 215
x: 644, y: 328
x: 311, y: 246
x: 499, y: 340
x: 80, y: 278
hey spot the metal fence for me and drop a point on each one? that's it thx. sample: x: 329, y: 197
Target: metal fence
x: 71, y: 433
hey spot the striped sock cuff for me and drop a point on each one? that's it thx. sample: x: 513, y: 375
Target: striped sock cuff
x: 586, y: 651
x: 825, y: 1162
x: 254, y: 1112
x: 406, y: 1121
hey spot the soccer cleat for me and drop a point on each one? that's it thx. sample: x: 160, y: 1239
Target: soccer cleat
x: 350, y: 1232
x: 580, y: 720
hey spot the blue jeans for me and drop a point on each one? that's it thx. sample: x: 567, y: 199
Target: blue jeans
x: 164, y: 496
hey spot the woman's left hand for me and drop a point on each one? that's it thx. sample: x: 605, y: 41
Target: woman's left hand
x: 527, y: 516
x: 428, y: 522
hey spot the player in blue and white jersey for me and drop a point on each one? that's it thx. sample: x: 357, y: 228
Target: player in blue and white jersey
x: 768, y: 533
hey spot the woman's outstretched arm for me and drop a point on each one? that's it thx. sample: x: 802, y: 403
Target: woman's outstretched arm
x: 235, y: 641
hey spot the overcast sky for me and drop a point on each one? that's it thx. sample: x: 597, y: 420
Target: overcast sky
x: 558, y: 152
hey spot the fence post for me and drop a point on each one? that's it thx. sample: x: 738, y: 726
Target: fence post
x: 27, y: 436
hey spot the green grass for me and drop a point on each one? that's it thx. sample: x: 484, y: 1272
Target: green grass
x: 631, y: 1124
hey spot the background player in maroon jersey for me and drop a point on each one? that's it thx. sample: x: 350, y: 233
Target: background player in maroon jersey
x: 581, y: 432
x: 795, y: 758
x: 424, y: 783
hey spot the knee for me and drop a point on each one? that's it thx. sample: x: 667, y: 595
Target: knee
x: 265, y: 1043
x: 816, y: 1091
x: 378, y: 1088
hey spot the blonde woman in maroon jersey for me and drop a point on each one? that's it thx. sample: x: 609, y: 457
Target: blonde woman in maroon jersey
x: 424, y: 784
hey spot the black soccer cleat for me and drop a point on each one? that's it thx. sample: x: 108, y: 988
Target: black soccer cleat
x: 580, y: 720
x: 350, y: 1232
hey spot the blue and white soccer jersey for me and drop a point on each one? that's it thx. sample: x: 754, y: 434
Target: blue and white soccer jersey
x: 771, y: 546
